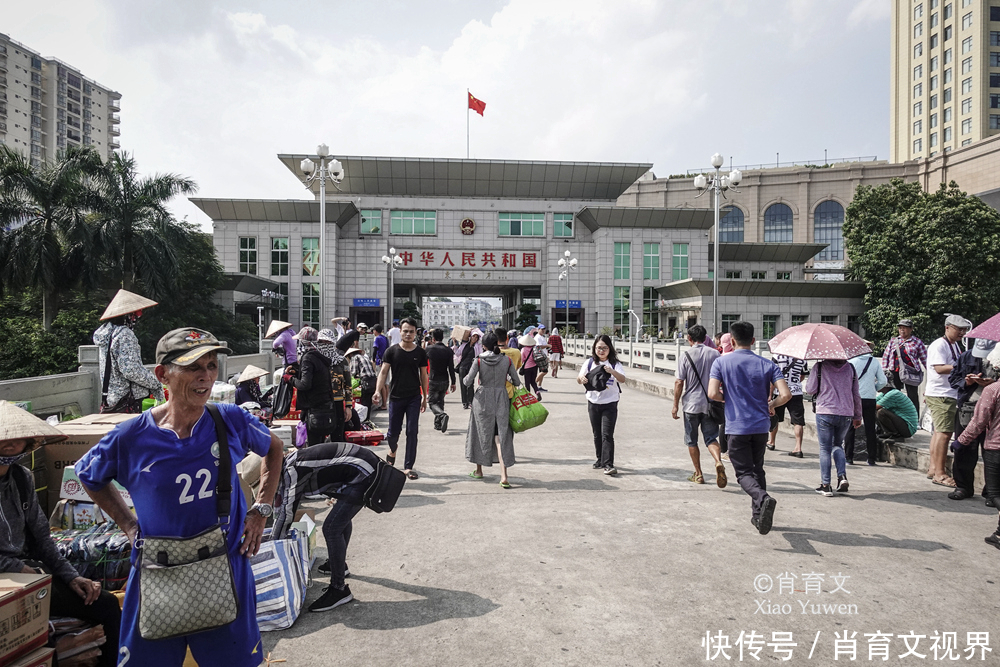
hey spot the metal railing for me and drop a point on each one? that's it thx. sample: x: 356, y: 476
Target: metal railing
x: 777, y: 164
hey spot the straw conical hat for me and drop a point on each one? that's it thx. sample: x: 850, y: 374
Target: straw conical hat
x: 277, y: 326
x: 251, y: 373
x: 126, y: 302
x: 16, y: 423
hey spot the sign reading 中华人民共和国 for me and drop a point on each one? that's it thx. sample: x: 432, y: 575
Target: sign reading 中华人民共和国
x: 471, y: 259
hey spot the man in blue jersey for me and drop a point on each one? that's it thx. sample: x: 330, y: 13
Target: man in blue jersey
x: 343, y: 471
x: 168, y: 459
x: 745, y: 381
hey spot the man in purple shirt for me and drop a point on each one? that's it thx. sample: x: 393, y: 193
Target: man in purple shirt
x: 745, y: 380
x: 838, y: 408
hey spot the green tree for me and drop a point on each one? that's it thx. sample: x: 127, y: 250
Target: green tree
x: 410, y: 310
x: 922, y: 255
x: 527, y: 316
x: 135, y: 231
x: 46, y: 242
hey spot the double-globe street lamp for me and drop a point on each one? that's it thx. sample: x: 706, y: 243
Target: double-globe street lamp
x: 718, y: 184
x: 329, y: 168
x: 567, y: 263
x: 393, y: 261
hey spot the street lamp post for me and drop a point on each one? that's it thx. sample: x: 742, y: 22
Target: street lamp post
x: 567, y: 263
x: 393, y: 261
x: 719, y: 184
x: 329, y: 168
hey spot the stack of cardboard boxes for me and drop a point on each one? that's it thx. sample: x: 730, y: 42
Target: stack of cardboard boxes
x: 24, y: 620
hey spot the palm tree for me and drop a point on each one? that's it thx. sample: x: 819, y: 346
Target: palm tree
x: 45, y: 241
x: 134, y: 228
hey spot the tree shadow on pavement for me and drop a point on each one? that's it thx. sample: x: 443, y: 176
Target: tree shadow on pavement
x: 801, y: 541
x: 432, y: 605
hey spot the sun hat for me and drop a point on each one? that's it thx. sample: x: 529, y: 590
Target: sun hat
x: 185, y: 346
x: 16, y: 423
x: 251, y: 373
x: 526, y: 340
x: 276, y: 327
x: 126, y: 302
x: 958, y: 322
x: 307, y: 333
x: 983, y: 347
x: 327, y: 335
x: 362, y: 325
x: 905, y: 323
x: 353, y: 350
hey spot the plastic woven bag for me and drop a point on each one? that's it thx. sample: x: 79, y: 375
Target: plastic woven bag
x: 281, y: 573
x: 526, y: 411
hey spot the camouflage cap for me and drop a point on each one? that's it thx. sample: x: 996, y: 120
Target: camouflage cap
x: 187, y: 345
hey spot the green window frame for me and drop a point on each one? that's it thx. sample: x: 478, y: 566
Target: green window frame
x: 279, y: 255
x: 248, y: 254
x: 310, y: 256
x: 783, y: 275
x: 799, y: 319
x: 522, y: 224
x: 679, y: 264
x: 650, y: 261
x: 621, y: 306
x: 728, y: 320
x: 769, y: 327
x: 828, y: 319
x: 562, y: 225
x: 734, y: 275
x: 371, y: 221
x: 413, y: 223
x: 623, y: 261
x: 758, y: 275
x: 650, y: 311
x: 310, y: 304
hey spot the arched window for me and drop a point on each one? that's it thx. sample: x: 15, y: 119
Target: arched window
x: 731, y: 226
x: 778, y: 224
x: 828, y: 227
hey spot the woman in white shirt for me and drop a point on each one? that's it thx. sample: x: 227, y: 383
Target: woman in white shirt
x: 603, y: 404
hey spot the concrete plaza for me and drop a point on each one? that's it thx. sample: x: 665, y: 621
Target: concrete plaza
x: 572, y: 567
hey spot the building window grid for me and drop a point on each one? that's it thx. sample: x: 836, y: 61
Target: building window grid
x: 948, y: 30
x: 947, y: 76
x: 248, y: 255
x: 946, y: 97
x: 918, y: 12
x: 934, y: 63
x: 967, y: 65
x: 946, y: 135
x: 828, y: 319
x: 967, y: 126
x: 734, y: 275
x: 918, y: 109
x: 934, y: 20
x: 279, y: 256
x: 994, y: 38
x: 783, y: 275
x: 798, y: 320
x: 413, y: 223
x: 650, y: 309
x: 918, y: 72
x: 623, y: 261
x: 947, y: 56
x: 967, y: 45
x: 621, y: 307
x: 731, y: 226
x: 918, y: 50
x: 679, y: 265
x: 778, y: 224
x: 769, y: 327
x: 934, y: 41
x: 994, y: 58
x: 967, y: 21
x: 994, y: 122
x: 371, y: 221
x: 562, y: 225
x: 310, y: 304
x: 918, y: 90
x: 967, y: 105
x: 522, y: 224
x: 650, y: 261
x: 947, y: 115
x: 948, y: 12
x: 728, y: 319
x: 828, y: 227
x: 918, y: 30
x: 310, y: 256
x: 994, y: 101
x: 918, y: 126
x: 758, y: 275
x: 934, y: 82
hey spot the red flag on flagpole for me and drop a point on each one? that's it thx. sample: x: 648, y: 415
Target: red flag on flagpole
x: 476, y: 105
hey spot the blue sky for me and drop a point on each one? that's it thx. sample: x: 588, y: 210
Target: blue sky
x: 214, y: 90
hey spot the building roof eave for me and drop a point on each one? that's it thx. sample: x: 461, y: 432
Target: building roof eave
x: 595, y: 217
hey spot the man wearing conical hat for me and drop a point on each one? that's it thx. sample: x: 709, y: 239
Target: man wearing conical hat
x: 125, y: 381
x: 26, y: 545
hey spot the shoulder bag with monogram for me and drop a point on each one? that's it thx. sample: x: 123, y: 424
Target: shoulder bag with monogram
x: 186, y: 584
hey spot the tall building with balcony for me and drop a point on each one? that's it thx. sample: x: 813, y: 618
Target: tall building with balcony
x: 48, y: 106
x: 945, y: 76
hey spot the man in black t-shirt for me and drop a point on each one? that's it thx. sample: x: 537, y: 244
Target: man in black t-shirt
x: 408, y: 362
x: 442, y: 370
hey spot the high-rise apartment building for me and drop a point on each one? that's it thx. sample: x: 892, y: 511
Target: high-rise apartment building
x: 47, y: 106
x: 945, y: 75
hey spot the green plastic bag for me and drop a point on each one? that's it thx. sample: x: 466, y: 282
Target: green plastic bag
x: 526, y: 411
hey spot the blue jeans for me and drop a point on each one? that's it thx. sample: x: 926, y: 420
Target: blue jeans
x: 410, y: 408
x: 831, y: 431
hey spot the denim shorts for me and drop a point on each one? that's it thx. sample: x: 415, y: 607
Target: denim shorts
x: 709, y: 429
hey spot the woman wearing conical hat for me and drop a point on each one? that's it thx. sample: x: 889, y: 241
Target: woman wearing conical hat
x: 248, y: 387
x: 126, y: 381
x: 284, y: 341
x: 26, y: 546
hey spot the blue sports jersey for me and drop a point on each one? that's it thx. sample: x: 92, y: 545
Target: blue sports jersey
x: 172, y: 482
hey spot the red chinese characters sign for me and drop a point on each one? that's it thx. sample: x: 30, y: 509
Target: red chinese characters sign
x: 471, y: 259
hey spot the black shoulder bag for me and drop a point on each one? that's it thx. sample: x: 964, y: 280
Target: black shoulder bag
x: 716, y: 409
x: 186, y: 584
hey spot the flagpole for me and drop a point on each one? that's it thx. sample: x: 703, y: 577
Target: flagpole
x: 467, y: 93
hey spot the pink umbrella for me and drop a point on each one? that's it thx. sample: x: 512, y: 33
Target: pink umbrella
x: 819, y: 341
x: 990, y: 329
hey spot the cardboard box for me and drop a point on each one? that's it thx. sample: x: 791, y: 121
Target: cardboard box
x: 460, y: 333
x: 40, y: 658
x: 24, y: 614
x: 72, y: 488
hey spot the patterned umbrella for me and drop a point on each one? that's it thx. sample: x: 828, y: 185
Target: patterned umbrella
x: 990, y: 329
x: 819, y: 342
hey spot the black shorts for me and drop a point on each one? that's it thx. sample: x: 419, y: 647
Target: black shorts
x: 796, y: 411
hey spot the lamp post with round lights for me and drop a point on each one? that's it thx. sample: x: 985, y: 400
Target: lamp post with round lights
x: 393, y: 261
x: 567, y: 263
x: 329, y: 168
x: 719, y: 183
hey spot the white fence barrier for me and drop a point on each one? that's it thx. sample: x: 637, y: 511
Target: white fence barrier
x: 656, y: 357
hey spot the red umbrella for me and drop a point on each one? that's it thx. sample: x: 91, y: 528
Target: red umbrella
x: 819, y: 342
x: 990, y: 329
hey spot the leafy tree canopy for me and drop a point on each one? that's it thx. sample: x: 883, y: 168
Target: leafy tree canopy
x: 922, y: 255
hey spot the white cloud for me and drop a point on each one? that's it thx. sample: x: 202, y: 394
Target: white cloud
x: 867, y: 12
